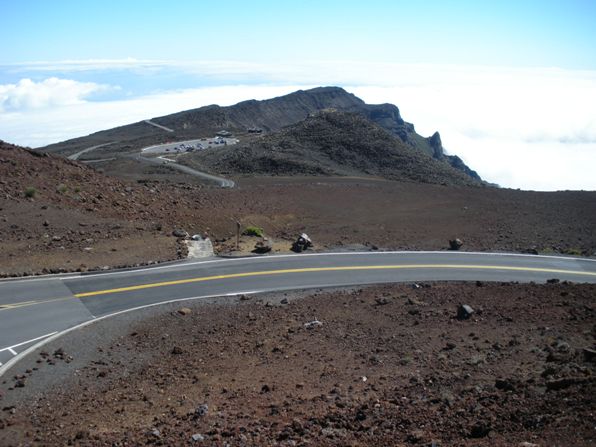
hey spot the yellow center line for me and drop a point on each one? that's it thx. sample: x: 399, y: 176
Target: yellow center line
x: 17, y: 305
x: 329, y: 269
x: 10, y: 306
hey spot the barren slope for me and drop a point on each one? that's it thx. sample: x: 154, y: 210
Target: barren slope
x: 330, y: 143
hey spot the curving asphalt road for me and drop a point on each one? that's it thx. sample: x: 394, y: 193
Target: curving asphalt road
x: 35, y: 310
x: 221, y: 181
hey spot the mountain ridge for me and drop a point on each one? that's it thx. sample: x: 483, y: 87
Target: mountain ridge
x: 271, y: 115
x: 330, y: 142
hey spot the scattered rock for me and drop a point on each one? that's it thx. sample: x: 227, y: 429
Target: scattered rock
x: 302, y: 243
x: 479, y: 430
x: 184, y: 311
x: 263, y: 246
x: 313, y: 324
x: 197, y: 437
x: 178, y: 232
x: 553, y: 281
x: 455, y: 244
x: 464, y: 312
x: 381, y: 301
x: 202, y: 410
x: 177, y: 350
x: 504, y: 384
x: 450, y: 346
x: 415, y: 302
x: 284, y: 301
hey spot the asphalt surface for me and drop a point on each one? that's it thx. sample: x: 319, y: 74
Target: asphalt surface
x: 77, y: 155
x: 221, y: 181
x: 33, y: 310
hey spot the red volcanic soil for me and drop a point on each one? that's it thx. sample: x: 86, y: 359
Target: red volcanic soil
x: 61, y: 215
x: 387, y: 365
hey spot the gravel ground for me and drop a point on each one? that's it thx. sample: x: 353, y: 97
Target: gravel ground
x: 387, y: 365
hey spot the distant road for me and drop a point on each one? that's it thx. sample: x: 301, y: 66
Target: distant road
x: 157, y: 149
x: 76, y: 155
x: 167, y: 129
x: 221, y: 181
x: 36, y: 309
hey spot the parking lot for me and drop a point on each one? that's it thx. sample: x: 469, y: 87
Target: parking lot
x: 179, y: 147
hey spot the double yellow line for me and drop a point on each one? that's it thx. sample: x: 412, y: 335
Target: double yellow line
x: 298, y: 270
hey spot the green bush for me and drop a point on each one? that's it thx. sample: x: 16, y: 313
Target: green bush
x: 61, y: 188
x: 253, y: 231
x: 30, y: 192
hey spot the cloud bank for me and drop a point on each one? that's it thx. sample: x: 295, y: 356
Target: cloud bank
x: 521, y: 128
x: 52, y: 92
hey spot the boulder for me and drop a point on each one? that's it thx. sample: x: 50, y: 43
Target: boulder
x: 455, y: 244
x: 184, y: 311
x: 464, y: 312
x: 263, y: 246
x: 179, y: 232
x: 302, y: 243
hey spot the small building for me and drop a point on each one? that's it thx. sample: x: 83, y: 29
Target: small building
x: 223, y: 133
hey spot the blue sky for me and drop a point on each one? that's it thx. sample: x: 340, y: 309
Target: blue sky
x: 504, y: 82
x: 511, y: 33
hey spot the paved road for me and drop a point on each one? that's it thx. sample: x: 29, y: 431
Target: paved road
x: 159, y: 126
x: 221, y: 181
x: 76, y: 155
x: 35, y: 309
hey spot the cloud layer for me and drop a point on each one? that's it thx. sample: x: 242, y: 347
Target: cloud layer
x: 526, y: 128
x: 52, y: 92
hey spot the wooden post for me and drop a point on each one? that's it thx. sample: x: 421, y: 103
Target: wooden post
x: 237, y: 235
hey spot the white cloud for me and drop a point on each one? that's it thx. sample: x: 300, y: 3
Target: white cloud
x: 528, y: 128
x: 51, y: 92
x: 37, y: 127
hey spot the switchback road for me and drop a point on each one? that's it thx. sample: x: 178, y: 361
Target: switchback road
x: 37, y: 309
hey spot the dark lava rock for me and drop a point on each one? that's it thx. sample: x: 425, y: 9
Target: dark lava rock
x: 455, y: 244
x: 464, y: 312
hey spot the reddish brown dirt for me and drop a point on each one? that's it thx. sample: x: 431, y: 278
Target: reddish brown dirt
x: 390, y: 365
x: 79, y: 219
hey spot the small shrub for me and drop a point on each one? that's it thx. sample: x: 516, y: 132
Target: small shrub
x: 30, y: 192
x: 77, y: 189
x: 61, y: 188
x: 574, y: 251
x: 253, y: 231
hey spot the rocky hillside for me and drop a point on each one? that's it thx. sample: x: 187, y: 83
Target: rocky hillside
x: 61, y: 215
x: 269, y: 115
x: 330, y: 143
